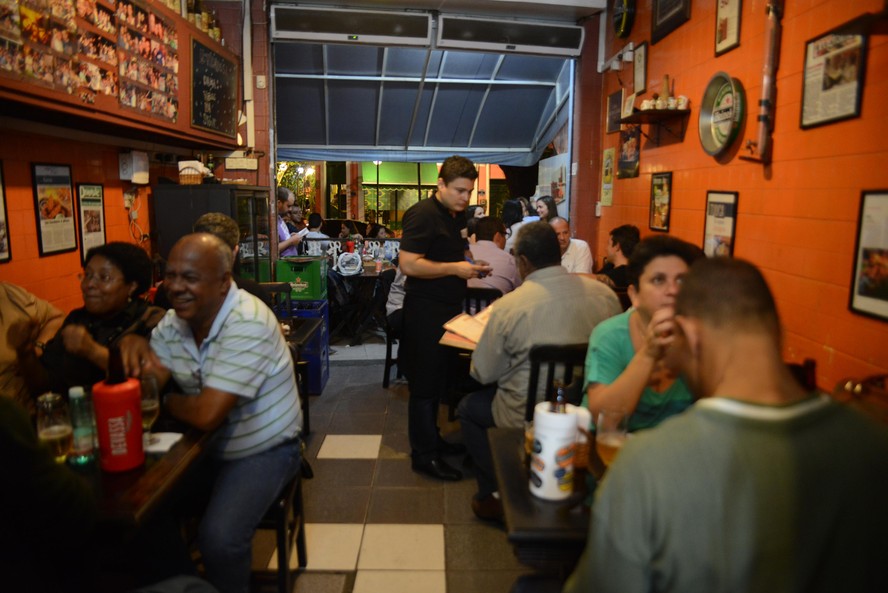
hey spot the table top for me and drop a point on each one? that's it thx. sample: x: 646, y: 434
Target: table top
x: 129, y: 498
x: 302, y: 330
x: 532, y: 520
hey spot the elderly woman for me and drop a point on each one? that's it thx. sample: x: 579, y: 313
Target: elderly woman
x: 113, y: 278
x: 546, y: 208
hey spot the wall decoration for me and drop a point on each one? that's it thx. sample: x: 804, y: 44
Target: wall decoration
x: 869, y: 283
x: 91, y: 206
x: 721, y: 223
x: 628, y: 106
x: 607, y: 177
x: 661, y: 198
x: 614, y: 111
x: 833, y: 79
x: 727, y: 25
x: 5, y: 249
x: 622, y: 17
x: 214, y: 90
x: 722, y: 111
x: 666, y: 17
x: 627, y: 166
x: 54, y: 206
x: 640, y: 71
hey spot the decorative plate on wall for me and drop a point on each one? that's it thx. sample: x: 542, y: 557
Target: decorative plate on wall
x: 721, y: 113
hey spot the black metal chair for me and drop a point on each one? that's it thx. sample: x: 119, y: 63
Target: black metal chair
x: 560, y: 363
x: 479, y: 298
x: 280, y: 296
x: 287, y: 517
x: 392, y: 335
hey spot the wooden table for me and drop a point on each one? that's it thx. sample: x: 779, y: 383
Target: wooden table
x: 129, y: 499
x: 546, y: 535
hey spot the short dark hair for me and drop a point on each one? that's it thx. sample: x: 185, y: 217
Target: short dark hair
x: 220, y: 225
x: 284, y: 193
x: 656, y: 246
x: 456, y: 167
x: 551, y: 206
x: 726, y: 292
x: 487, y: 227
x: 538, y: 243
x: 470, y: 210
x: 511, y: 212
x: 131, y: 260
x: 315, y: 220
x: 627, y: 237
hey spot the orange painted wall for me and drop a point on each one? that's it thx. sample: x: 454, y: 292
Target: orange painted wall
x: 54, y: 277
x: 798, y: 216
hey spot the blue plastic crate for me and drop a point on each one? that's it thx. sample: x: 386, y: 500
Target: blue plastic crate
x: 318, y: 370
x: 314, y: 310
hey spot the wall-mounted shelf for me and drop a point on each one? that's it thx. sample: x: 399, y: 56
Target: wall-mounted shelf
x: 661, y: 118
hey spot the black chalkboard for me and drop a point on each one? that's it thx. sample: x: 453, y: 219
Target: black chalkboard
x: 213, y: 90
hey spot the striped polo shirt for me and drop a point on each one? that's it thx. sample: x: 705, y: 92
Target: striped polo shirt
x: 245, y: 355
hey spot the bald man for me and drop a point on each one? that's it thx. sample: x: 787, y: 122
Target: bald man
x: 225, y: 351
x: 575, y: 255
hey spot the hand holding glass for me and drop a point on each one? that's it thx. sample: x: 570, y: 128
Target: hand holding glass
x: 610, y: 434
x: 54, y: 425
x: 150, y: 407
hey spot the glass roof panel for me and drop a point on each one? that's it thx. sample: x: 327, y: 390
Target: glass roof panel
x: 298, y: 58
x: 398, y: 100
x: 536, y: 68
x: 405, y: 61
x: 354, y: 60
x: 471, y: 65
x: 454, y: 114
x: 511, y: 116
x: 300, y: 111
x: 352, y: 107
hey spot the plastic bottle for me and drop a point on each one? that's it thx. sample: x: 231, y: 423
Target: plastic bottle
x: 84, y: 423
x: 118, y: 407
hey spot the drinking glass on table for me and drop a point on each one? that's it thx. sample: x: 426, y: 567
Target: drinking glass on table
x: 150, y: 407
x: 610, y: 433
x: 54, y: 425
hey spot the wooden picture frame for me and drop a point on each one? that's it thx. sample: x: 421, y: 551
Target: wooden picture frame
x: 640, y: 68
x: 628, y: 105
x: 630, y: 151
x: 661, y: 201
x: 5, y: 246
x: 614, y: 112
x: 91, y: 219
x: 832, y: 84
x: 54, y: 208
x: 727, y: 25
x: 667, y: 16
x: 869, y: 279
x: 721, y: 223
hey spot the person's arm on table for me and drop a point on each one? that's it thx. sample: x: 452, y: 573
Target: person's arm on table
x: 139, y: 359
x: 418, y: 266
x: 626, y: 389
x: 205, y: 411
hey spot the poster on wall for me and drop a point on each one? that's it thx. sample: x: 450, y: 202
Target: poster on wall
x: 614, y: 112
x: 54, y: 205
x: 833, y: 82
x: 721, y: 222
x: 5, y: 249
x: 661, y: 201
x: 627, y: 166
x: 727, y: 25
x: 91, y: 203
x: 607, y: 177
x: 869, y: 284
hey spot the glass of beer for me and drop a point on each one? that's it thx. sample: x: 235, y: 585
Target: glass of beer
x: 150, y: 407
x: 54, y: 425
x: 610, y: 433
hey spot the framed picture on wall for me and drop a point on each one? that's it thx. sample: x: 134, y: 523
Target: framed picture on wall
x: 614, y: 112
x: 640, y: 70
x: 91, y: 206
x: 54, y: 204
x: 721, y: 223
x: 661, y: 199
x: 869, y: 283
x: 5, y: 249
x: 666, y: 17
x: 833, y: 79
x: 627, y: 165
x: 727, y: 25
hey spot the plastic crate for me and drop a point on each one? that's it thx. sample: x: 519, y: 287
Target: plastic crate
x: 307, y: 277
x: 317, y: 351
x: 318, y: 370
x: 313, y: 310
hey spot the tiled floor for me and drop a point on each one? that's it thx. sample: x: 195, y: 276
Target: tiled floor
x: 374, y: 526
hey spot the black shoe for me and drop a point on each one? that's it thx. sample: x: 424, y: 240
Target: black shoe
x: 438, y: 469
x: 445, y: 448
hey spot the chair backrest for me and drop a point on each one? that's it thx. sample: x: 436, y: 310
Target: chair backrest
x: 479, y: 298
x: 567, y: 359
x: 280, y: 296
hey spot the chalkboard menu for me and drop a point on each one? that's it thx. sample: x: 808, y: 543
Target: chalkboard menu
x: 213, y: 90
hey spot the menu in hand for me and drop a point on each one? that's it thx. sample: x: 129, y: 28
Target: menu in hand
x: 464, y: 330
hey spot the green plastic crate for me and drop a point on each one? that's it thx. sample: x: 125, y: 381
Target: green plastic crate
x: 307, y: 277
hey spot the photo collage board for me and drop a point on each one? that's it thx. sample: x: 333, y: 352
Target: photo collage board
x: 88, y: 48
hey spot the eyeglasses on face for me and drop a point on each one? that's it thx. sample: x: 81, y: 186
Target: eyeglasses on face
x: 101, y: 278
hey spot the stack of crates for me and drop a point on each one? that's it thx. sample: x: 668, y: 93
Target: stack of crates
x: 307, y: 277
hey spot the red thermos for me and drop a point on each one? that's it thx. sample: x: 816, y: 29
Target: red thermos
x: 118, y: 409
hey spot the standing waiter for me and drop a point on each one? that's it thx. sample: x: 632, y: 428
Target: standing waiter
x: 433, y: 257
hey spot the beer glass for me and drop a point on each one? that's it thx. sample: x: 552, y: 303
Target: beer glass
x: 610, y: 433
x: 150, y: 408
x: 54, y: 425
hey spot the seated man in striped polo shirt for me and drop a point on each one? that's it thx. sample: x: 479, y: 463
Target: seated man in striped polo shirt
x: 226, y: 353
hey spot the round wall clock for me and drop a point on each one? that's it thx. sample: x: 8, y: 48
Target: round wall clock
x: 721, y: 113
x: 622, y: 16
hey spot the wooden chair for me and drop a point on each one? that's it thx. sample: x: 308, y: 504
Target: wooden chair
x: 287, y: 517
x: 476, y: 300
x: 560, y: 362
x: 280, y: 296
